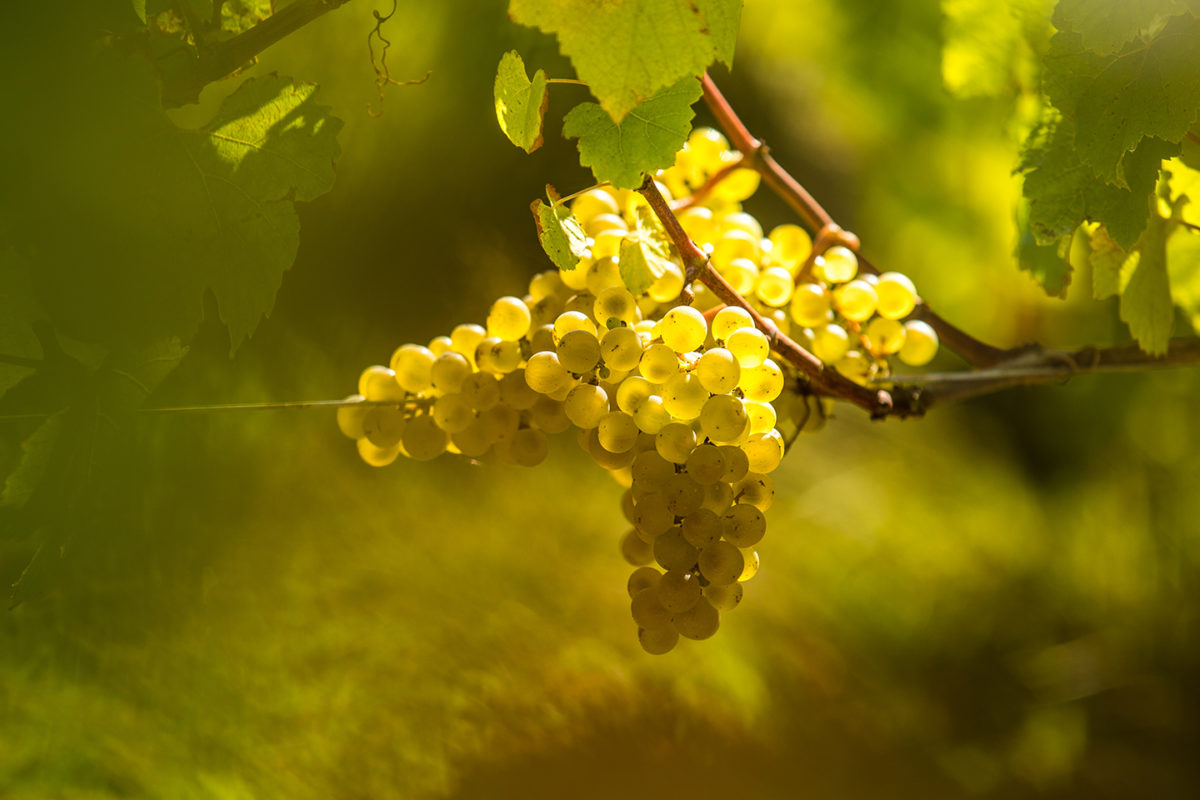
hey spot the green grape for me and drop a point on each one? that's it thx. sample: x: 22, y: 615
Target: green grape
x: 528, y: 447
x: 706, y: 146
x: 569, y: 321
x: 897, y: 295
x: 718, y: 370
x: 920, y: 344
x: 642, y: 578
x: 658, y: 641
x: 545, y: 311
x: 884, y: 336
x: 675, y: 442
x: 481, y: 390
x: 500, y: 422
x: 604, y: 222
x: 762, y: 416
x: 651, y: 470
x: 439, y: 345
x: 837, y: 264
x: 741, y: 221
x: 472, y: 441
x: 855, y: 300
x: 718, y: 497
x: 683, y: 396
x: 672, y: 551
x: 652, y: 517
x: 724, y: 598
x: 752, y: 564
x: 621, y: 349
x: 658, y: 363
x: 544, y: 373
x: 683, y: 329
x: 579, y: 351
x: 651, y: 415
x: 423, y: 439
x: 741, y: 274
x: 412, y: 364
x: 350, y: 418
x: 721, y: 563
x: 762, y: 383
x: 811, y: 305
x: 683, y: 494
x: 830, y: 343
x: 383, y: 426
x: 546, y: 284
x: 790, y: 246
x: 632, y: 392
x: 730, y: 319
x: 774, y: 286
x: 755, y: 489
x: 582, y: 302
x: 449, y: 371
x: 508, y: 319
x: 453, y: 413
x: 465, y: 338
x: 516, y: 392
x: 604, y: 457
x: 585, y: 405
x: 602, y: 275
x: 678, y: 590
x: 648, y: 610
x: 698, y: 622
x: 697, y: 222
x: 702, y: 528
x: 723, y: 418
x: 855, y: 366
x: 541, y: 340
x: 740, y: 185
x: 737, y: 465
x: 627, y: 505
x: 593, y: 203
x: 617, y: 432
x: 615, y: 304
x: 549, y: 415
x: 666, y: 287
x: 706, y: 464
x: 744, y: 525
x: 576, y: 279
x: 502, y: 357
x: 377, y: 456
x: 736, y: 245
x: 378, y: 385
x: 764, y: 451
x: 749, y: 346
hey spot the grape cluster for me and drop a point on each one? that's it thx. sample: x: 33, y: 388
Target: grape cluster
x: 683, y: 404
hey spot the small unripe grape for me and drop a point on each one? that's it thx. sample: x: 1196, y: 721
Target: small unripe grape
x: 855, y: 300
x: 509, y: 319
x: 920, y: 344
x: 897, y: 295
x: 838, y: 264
x: 749, y: 346
x: 683, y: 329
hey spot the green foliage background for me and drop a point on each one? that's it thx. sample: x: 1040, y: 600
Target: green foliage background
x: 997, y: 601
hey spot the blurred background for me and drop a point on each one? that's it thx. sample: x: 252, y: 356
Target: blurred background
x: 998, y: 601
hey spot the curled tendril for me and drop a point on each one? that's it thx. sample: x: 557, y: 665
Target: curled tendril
x: 383, y: 76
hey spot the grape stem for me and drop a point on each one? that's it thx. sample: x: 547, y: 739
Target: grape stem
x: 756, y: 155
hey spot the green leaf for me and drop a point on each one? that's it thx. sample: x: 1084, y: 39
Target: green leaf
x: 1146, y: 305
x: 561, y: 235
x: 626, y: 51
x: 1106, y: 259
x: 139, y: 8
x: 520, y: 103
x: 1149, y: 89
x: 1104, y: 26
x: 646, y: 140
x: 645, y: 253
x: 35, y: 458
x: 1047, y: 263
x: 1183, y: 267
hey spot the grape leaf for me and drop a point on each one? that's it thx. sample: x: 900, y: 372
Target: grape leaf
x: 645, y: 253
x: 626, y: 51
x: 139, y: 8
x: 1106, y: 259
x: 1146, y: 305
x: 1150, y: 88
x: 1047, y: 263
x: 1104, y: 26
x: 560, y: 233
x: 646, y: 140
x: 1184, y: 183
x: 29, y: 471
x: 1183, y: 267
x: 520, y: 103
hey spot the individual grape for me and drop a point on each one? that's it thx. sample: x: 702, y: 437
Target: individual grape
x: 652, y: 517
x: 449, y: 371
x: 412, y: 364
x: 377, y: 456
x: 541, y: 339
x: 718, y: 370
x: 762, y: 383
x: 613, y: 305
x: 749, y: 346
x: 920, y: 344
x: 666, y: 287
x: 585, y: 405
x: 545, y: 374
x: 516, y: 392
x: 500, y: 422
x: 549, y: 415
x: 423, y: 439
x: 609, y: 460
x: 481, y: 390
x: 811, y: 305
x: 755, y: 489
x: 721, y: 563
x: 790, y: 246
x: 897, y: 295
x: 642, y: 578
x: 762, y: 416
x: 651, y: 471
x: 576, y: 279
x: 734, y: 245
x: 579, y: 351
x: 632, y: 392
x: 683, y: 494
x: 741, y: 274
x: 701, y: 528
x: 855, y: 300
x: 744, y: 525
x: 723, y: 418
x: 621, y: 348
x: 724, y: 598
x: 617, y: 432
x: 697, y: 222
x: 651, y: 415
x: 544, y: 312
x: 472, y: 441
x: 508, y: 319
x: 830, y: 343
x: 452, y: 413
x: 698, y: 622
x: 658, y: 363
x: 604, y: 222
x: 648, y: 610
x: 658, y: 641
x: 672, y: 551
x: 838, y: 264
x: 683, y: 329
x: 678, y: 590
x: 706, y: 146
x: 602, y: 275
x: 383, y: 426
x: 706, y: 464
x: 465, y: 338
x: 439, y: 345
x: 378, y: 385
x: 683, y: 396
x: 764, y: 451
x: 569, y: 321
x: 774, y: 286
x: 730, y: 319
x: 752, y: 564
x: 718, y: 497
x: 528, y: 447
x: 582, y: 302
x: 350, y: 418
x: 593, y: 203
x: 855, y: 366
x: 884, y: 336
x: 546, y: 284
x: 737, y: 465
x: 741, y: 184
x: 675, y: 442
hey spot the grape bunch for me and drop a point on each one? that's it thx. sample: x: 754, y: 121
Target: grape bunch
x: 682, y: 403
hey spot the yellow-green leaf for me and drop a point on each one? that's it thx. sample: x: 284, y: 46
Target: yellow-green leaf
x: 645, y: 254
x: 1146, y: 305
x: 561, y: 235
x: 520, y: 102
